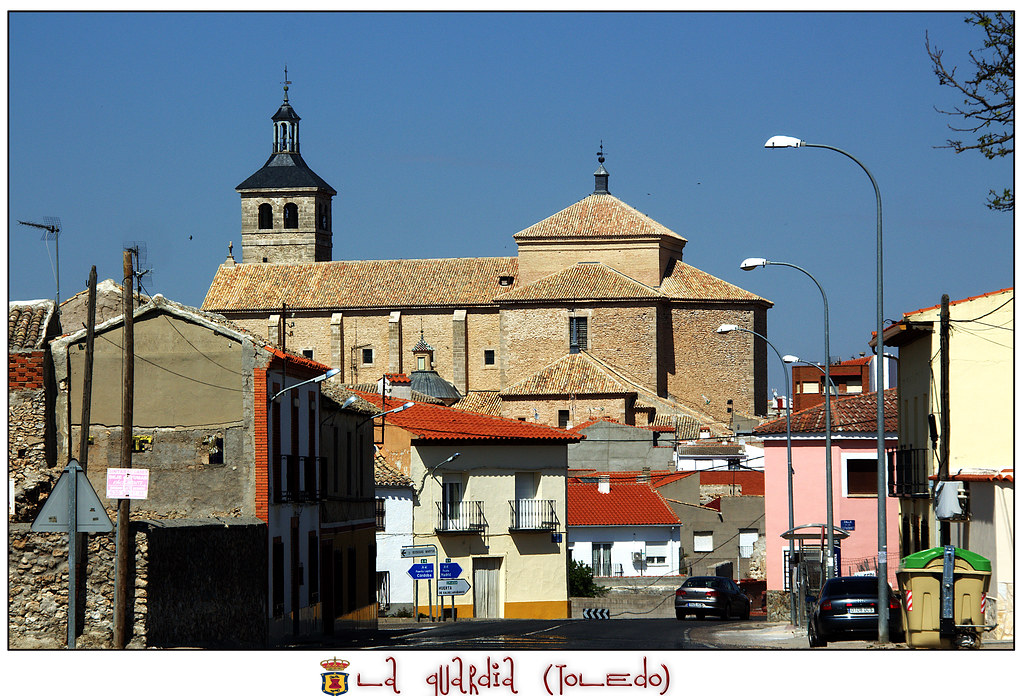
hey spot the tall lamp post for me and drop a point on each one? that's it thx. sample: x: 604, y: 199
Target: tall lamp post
x: 830, y: 568
x: 318, y: 378
x: 728, y: 328
x: 782, y: 141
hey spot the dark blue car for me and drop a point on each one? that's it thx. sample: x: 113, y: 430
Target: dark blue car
x: 847, y: 609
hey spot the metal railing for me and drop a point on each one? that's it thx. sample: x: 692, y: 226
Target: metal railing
x: 462, y: 516
x: 908, y: 473
x: 530, y: 514
x: 301, y: 479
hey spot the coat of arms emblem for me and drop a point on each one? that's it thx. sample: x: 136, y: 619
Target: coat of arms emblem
x: 335, y: 681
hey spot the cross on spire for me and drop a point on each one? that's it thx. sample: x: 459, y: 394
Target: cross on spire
x: 286, y: 82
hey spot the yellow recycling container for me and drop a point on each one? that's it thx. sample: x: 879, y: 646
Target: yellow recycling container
x: 944, y: 593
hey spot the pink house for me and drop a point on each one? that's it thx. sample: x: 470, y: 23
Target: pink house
x: 854, y: 485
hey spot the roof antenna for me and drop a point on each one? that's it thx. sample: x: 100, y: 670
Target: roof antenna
x: 601, y: 175
x: 51, y: 225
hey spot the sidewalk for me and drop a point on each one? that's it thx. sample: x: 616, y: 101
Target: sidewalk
x: 784, y: 636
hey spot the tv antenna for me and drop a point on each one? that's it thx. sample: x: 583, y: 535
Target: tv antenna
x: 52, y: 227
x: 138, y: 250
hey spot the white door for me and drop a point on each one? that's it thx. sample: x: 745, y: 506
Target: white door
x: 485, y: 587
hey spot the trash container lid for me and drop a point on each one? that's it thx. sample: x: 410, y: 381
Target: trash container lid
x: 923, y: 558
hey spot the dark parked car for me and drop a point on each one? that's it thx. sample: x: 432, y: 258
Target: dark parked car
x: 847, y: 609
x: 702, y: 595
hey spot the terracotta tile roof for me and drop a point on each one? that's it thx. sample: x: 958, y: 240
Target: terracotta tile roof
x: 338, y: 393
x: 851, y: 414
x: 751, y: 482
x: 398, y: 378
x: 684, y: 282
x: 597, y: 215
x: 575, y: 373
x: 429, y: 422
x: 625, y: 504
x: 28, y: 324
x: 584, y: 281
x: 357, y: 284
x: 488, y: 403
x: 981, y: 475
x: 955, y: 302
x: 385, y: 474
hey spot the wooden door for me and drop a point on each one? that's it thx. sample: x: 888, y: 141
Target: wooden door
x: 486, y: 572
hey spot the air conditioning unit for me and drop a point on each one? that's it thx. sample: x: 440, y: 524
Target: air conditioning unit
x: 638, y: 556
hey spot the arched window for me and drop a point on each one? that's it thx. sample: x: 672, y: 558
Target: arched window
x: 266, y: 217
x: 291, y: 216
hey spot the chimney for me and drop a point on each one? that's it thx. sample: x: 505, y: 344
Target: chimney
x: 645, y: 475
x: 604, y: 484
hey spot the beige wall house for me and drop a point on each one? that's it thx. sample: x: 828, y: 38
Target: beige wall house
x: 598, y: 278
x: 490, y: 494
x: 980, y: 433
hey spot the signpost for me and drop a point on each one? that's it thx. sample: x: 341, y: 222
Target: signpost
x: 414, y: 551
x: 452, y: 588
x: 72, y: 507
x: 422, y: 571
x: 449, y: 570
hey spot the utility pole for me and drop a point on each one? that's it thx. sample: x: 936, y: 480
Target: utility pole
x: 944, y: 407
x: 123, y: 505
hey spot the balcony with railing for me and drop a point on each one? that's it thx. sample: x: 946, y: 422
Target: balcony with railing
x: 466, y: 516
x: 908, y: 472
x: 298, y: 478
x: 529, y: 515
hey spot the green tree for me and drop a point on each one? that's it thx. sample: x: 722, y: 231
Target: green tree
x: 987, y: 96
x: 581, y: 580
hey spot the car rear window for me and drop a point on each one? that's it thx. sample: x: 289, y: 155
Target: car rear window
x: 702, y: 582
x: 851, y: 586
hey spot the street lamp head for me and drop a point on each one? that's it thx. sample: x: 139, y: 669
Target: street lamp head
x: 791, y: 359
x: 349, y: 401
x: 407, y: 404
x: 777, y: 141
x: 330, y: 373
x: 752, y: 263
x: 726, y: 328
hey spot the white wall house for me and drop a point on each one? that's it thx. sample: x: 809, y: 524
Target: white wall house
x: 393, y: 493
x: 621, y: 529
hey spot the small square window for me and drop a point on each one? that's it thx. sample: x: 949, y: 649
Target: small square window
x: 563, y: 419
x: 367, y: 356
x: 307, y: 353
x: 488, y: 357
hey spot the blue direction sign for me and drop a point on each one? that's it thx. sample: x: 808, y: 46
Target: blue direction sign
x: 447, y: 571
x: 422, y: 571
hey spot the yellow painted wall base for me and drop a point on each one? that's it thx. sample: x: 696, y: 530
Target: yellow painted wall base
x: 512, y: 610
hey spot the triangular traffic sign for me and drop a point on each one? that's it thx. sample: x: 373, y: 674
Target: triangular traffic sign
x: 90, y: 517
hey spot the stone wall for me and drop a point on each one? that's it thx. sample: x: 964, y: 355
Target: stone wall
x: 31, y: 457
x: 193, y: 583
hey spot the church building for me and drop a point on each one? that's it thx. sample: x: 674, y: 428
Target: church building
x: 596, y: 316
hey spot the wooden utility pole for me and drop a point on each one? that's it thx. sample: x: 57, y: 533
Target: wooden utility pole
x: 944, y: 535
x: 123, y: 505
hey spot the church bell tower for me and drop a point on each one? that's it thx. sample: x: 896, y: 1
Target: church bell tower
x: 286, y: 207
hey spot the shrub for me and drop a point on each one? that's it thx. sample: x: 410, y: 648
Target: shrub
x: 581, y: 581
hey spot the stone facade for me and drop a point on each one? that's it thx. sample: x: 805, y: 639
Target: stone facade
x: 306, y: 243
x: 182, y: 593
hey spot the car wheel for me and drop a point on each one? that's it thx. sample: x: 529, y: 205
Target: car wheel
x: 746, y: 612
x: 724, y: 614
x: 813, y: 638
x: 680, y: 614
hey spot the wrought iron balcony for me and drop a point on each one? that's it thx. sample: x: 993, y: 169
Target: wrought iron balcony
x: 529, y: 515
x: 300, y: 482
x: 466, y: 516
x: 908, y: 473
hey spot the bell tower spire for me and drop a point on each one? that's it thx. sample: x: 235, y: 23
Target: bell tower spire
x: 286, y: 207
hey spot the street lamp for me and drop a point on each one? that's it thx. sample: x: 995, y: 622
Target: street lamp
x: 782, y: 141
x: 728, y: 328
x: 792, y: 359
x: 749, y: 265
x: 407, y: 404
x: 319, y: 378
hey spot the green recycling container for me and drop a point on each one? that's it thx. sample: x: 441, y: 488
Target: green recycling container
x: 920, y: 579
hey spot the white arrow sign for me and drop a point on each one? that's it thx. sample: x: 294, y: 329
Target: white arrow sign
x: 452, y: 587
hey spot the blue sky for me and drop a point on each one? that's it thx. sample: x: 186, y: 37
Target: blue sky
x: 445, y: 134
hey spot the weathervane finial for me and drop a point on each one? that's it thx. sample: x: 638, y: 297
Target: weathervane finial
x: 286, y: 82
x: 600, y: 153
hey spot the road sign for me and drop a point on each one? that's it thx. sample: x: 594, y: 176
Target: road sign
x: 132, y: 484
x: 56, y: 516
x: 422, y: 571
x: 449, y: 571
x: 452, y: 587
x: 595, y: 614
x: 848, y: 525
x: 413, y: 551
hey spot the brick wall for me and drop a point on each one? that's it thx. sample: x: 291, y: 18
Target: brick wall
x: 26, y: 370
